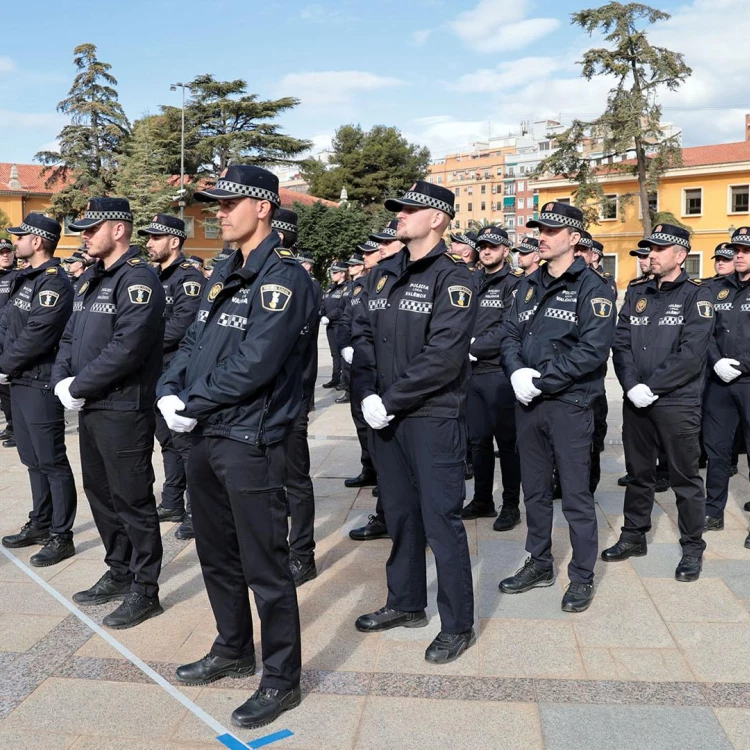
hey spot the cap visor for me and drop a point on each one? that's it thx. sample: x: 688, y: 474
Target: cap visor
x: 395, y: 204
x: 381, y: 237
x: 16, y: 231
x: 81, y: 224
x: 213, y: 195
x: 661, y: 243
x: 637, y: 254
x: 536, y: 223
x: 524, y: 251
x: 731, y: 245
x: 144, y: 232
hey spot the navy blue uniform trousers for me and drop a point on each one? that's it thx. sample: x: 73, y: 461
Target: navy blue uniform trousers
x: 299, y: 488
x: 175, y: 452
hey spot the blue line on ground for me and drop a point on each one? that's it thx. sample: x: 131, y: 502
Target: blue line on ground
x: 231, y: 742
x: 267, y: 740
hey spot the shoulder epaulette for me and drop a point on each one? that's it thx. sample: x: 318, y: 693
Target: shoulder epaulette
x: 135, y: 262
x: 52, y: 270
x: 455, y: 257
x: 639, y: 280
x: 186, y: 265
x: 285, y: 254
x: 600, y: 274
x: 517, y: 272
x: 697, y: 282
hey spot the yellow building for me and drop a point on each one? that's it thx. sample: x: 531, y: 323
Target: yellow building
x: 710, y: 194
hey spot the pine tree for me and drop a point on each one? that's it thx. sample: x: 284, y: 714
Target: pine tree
x: 91, y: 145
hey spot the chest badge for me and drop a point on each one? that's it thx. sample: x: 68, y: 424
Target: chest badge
x: 139, y: 294
x: 274, y: 298
x: 723, y: 294
x: 214, y: 291
x: 84, y: 287
x: 460, y: 296
x: 640, y: 306
x: 192, y: 288
x: 529, y: 295
x: 381, y: 284
x: 357, y: 290
x: 602, y: 307
x: 48, y: 298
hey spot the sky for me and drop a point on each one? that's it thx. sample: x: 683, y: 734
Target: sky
x: 445, y: 72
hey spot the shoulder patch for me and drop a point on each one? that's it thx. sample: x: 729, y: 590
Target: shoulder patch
x: 48, y: 298
x: 602, y: 307
x: 274, y: 298
x: 705, y: 309
x: 697, y: 282
x: 52, y: 270
x: 192, y: 288
x: 460, y: 296
x: 135, y: 262
x: 455, y: 257
x: 139, y: 294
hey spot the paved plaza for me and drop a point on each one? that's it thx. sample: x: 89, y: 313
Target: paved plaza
x: 652, y: 664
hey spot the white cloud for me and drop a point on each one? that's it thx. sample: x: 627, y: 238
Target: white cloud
x: 16, y: 121
x: 420, y: 37
x: 506, y: 75
x: 333, y: 87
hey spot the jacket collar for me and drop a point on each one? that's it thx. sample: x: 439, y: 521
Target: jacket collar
x: 255, y: 261
x: 486, y: 278
x: 572, y: 272
x: 667, y: 286
x: 30, y: 273
x: 402, y: 260
x: 170, y: 268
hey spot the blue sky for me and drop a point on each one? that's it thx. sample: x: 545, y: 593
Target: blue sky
x: 446, y: 72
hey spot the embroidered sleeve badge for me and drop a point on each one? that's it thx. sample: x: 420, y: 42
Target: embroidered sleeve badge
x: 460, y: 296
x: 139, y: 294
x: 274, y: 298
x: 602, y: 307
x: 192, y: 288
x: 48, y: 298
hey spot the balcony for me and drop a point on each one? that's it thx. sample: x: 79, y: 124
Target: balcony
x: 509, y: 202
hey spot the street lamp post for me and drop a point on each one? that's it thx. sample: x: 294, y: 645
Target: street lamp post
x: 173, y: 87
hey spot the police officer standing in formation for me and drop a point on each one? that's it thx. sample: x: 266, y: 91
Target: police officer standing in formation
x: 723, y: 259
x: 331, y: 310
x: 527, y: 255
x: 727, y: 397
x: 30, y: 330
x: 389, y: 245
x: 183, y: 285
x: 237, y: 381
x: 76, y: 265
x: 356, y: 266
x: 558, y: 337
x: 465, y: 245
x: 491, y: 402
x: 659, y: 353
x: 411, y: 368
x: 107, y: 367
x: 7, y: 273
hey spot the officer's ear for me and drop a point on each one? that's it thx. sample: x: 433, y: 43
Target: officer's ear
x: 265, y: 210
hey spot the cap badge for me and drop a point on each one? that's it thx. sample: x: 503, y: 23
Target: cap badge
x: 743, y: 230
x: 549, y: 207
x: 658, y: 229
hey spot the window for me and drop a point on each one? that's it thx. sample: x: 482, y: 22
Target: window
x: 609, y: 265
x: 653, y: 204
x: 510, y: 222
x: 483, y: 189
x: 510, y: 188
x: 739, y: 199
x: 693, y: 265
x: 211, y: 229
x: 429, y: 179
x: 457, y: 224
x: 521, y: 203
x: 457, y: 207
x: 510, y: 172
x: 566, y: 201
x: 190, y: 226
x: 66, y: 224
x: 521, y: 184
x: 469, y: 190
x: 544, y: 146
x: 439, y: 179
x: 458, y: 191
x: 470, y: 207
x: 482, y: 206
x: 499, y: 171
x: 608, y: 208
x: 692, y: 202
x: 486, y: 174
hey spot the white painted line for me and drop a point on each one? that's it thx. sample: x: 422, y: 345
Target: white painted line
x: 126, y: 652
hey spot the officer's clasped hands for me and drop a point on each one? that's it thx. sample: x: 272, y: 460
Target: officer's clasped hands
x: 523, y: 387
x: 347, y: 354
x: 641, y: 396
x: 727, y: 370
x: 4, y: 380
x: 324, y: 321
x: 168, y: 406
x: 62, y: 391
x: 373, y: 410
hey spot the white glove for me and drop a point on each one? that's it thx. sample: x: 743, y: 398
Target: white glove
x: 4, y: 380
x: 373, y: 410
x: 348, y: 354
x: 725, y: 369
x: 168, y: 406
x: 324, y: 321
x: 641, y: 396
x: 62, y: 391
x: 524, y: 389
x: 472, y: 358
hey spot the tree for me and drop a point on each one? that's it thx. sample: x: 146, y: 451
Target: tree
x: 224, y: 124
x: 144, y: 175
x: 631, y: 121
x: 4, y: 224
x: 371, y: 165
x: 91, y: 145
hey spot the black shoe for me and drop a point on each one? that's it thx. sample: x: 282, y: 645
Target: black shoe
x: 10, y: 442
x: 266, y: 705
x: 714, y: 524
x: 702, y: 462
x: 509, y: 518
x: 343, y: 398
x: 340, y: 387
x: 387, y: 618
x: 624, y: 480
x: 746, y: 506
x: 662, y: 484
x: 363, y: 479
x: 497, y: 454
x: 623, y: 550
x: 185, y: 529
x: 476, y: 509
x: 373, y: 529
x: 302, y: 571
x: 747, y: 542
x: 528, y: 577
x: 26, y: 537
x: 578, y: 597
x: 135, y: 609
x: 375, y: 491
x: 170, y: 515
x: 557, y: 491
x: 689, y: 569
x: 468, y: 470
x: 329, y: 384
x: 733, y: 470
x: 106, y: 589
x: 211, y: 668
x: 449, y: 646
x: 6, y: 434
x: 55, y: 550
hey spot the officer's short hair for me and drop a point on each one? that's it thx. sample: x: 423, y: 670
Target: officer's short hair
x: 49, y: 246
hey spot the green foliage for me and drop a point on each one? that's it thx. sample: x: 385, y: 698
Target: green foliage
x: 371, y: 165
x: 91, y: 145
x: 4, y: 224
x: 334, y: 232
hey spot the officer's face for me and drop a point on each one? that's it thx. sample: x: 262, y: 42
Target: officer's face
x: 161, y: 246
x: 76, y: 269
x: 389, y: 248
x: 724, y: 266
x: 25, y: 245
x: 644, y: 264
x: 528, y: 260
x: 7, y: 258
x: 338, y: 276
x: 586, y: 253
x: 355, y: 271
x: 101, y: 240
x: 742, y: 260
x: 240, y: 218
x: 665, y: 260
x: 555, y: 242
x: 492, y: 256
x: 371, y: 259
x: 416, y: 223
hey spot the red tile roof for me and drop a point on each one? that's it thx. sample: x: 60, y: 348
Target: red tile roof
x: 721, y: 153
x: 30, y: 176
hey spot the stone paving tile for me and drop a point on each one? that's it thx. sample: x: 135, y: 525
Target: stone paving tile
x: 736, y: 724
x: 660, y: 562
x: 651, y: 665
x: 34, y: 740
x: 705, y: 600
x: 727, y: 694
x: 21, y: 632
x: 131, y: 743
x: 567, y: 727
x: 715, y: 651
x: 620, y: 692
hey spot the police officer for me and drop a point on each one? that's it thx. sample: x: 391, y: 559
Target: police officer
x: 411, y: 368
x: 465, y: 245
x: 75, y: 265
x: 331, y: 310
x: 356, y: 268
x: 555, y: 351
x: 527, y: 255
x: 7, y: 273
x: 238, y: 378
x: 723, y: 259
x: 183, y: 285
x: 30, y: 331
x: 107, y: 367
x: 727, y: 398
x: 491, y: 403
x: 388, y: 246
x: 659, y: 353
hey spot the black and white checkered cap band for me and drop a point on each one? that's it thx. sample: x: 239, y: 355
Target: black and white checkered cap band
x: 464, y: 240
x: 284, y: 226
x: 669, y: 239
x: 386, y: 232
x: 369, y: 246
x: 43, y: 233
x: 154, y: 228
x: 428, y: 200
x: 586, y: 242
x: 740, y: 239
x: 250, y: 191
x: 108, y: 216
x: 495, y: 239
x: 561, y: 219
x: 529, y: 248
